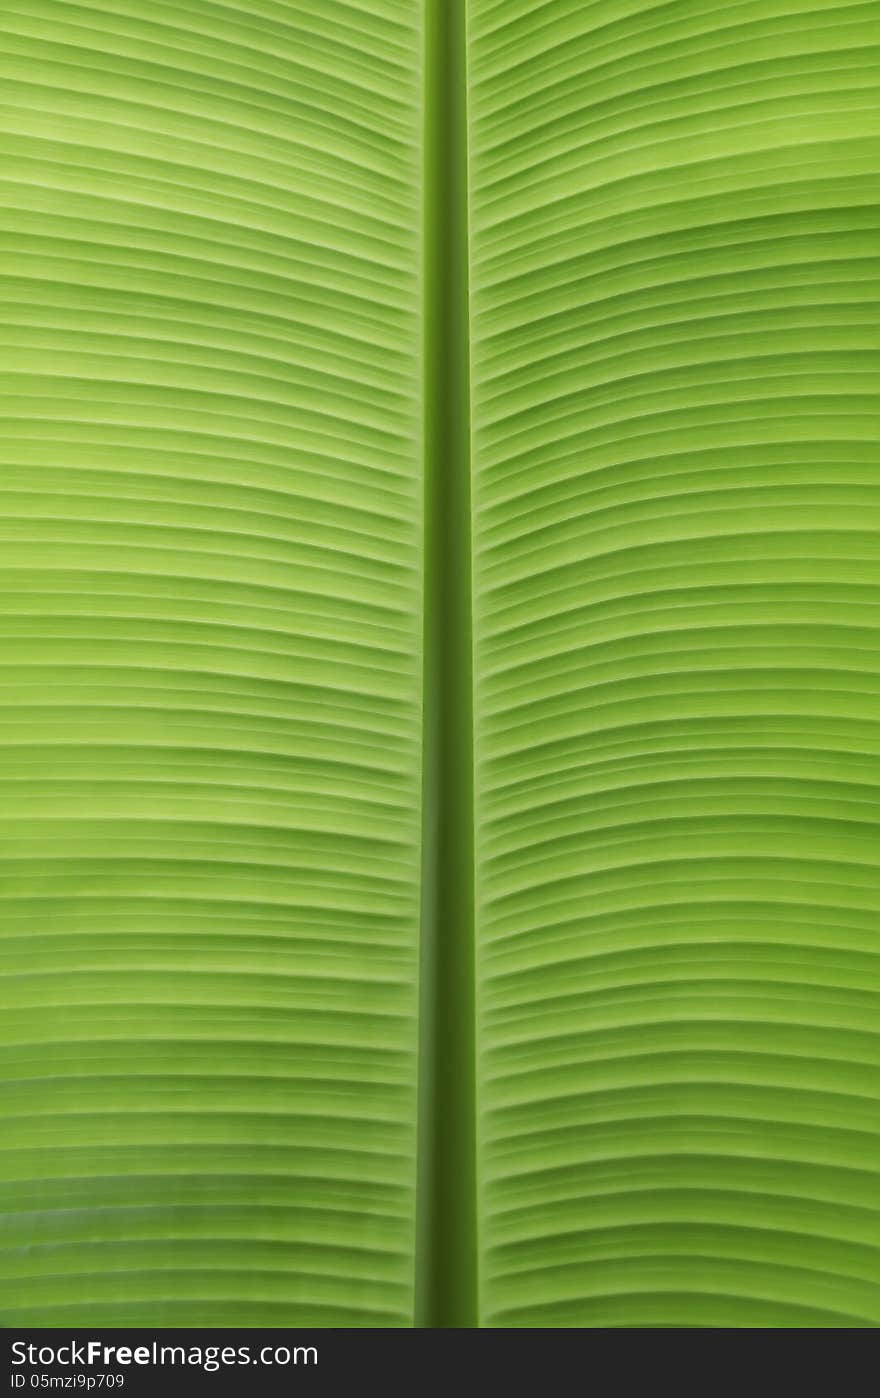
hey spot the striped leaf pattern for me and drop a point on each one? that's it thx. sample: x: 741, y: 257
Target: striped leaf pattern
x: 210, y: 596
x: 674, y: 279
x: 214, y: 281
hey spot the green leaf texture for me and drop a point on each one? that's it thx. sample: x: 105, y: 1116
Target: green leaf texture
x: 211, y: 592
x: 215, y: 287
x: 674, y: 278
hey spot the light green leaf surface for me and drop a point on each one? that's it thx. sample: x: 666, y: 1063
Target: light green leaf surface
x: 225, y: 229
x: 211, y: 594
x: 674, y: 280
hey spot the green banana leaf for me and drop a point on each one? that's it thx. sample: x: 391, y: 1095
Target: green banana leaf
x: 439, y: 592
